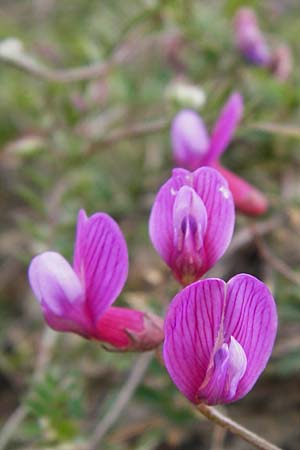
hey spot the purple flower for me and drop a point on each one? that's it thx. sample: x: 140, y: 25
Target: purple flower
x: 79, y: 298
x: 191, y: 222
x: 192, y: 147
x: 219, y: 337
x: 249, y: 38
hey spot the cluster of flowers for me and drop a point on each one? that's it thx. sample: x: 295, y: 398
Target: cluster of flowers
x: 217, y: 337
x: 252, y: 44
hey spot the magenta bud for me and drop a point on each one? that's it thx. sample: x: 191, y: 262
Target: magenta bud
x: 249, y: 38
x: 125, y: 329
x: 248, y: 200
x: 189, y: 138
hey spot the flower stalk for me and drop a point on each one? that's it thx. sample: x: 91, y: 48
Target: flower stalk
x: 220, y: 419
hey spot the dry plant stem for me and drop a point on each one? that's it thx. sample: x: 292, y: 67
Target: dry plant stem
x: 275, y: 262
x: 29, y: 65
x: 132, y: 131
x: 218, y: 437
x: 218, y: 418
x: 125, y: 394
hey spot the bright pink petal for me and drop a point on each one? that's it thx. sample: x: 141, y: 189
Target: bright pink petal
x: 251, y: 318
x: 213, y: 190
x: 161, y: 228
x: 190, y: 140
x: 192, y: 328
x: 224, y: 128
x: 59, y: 291
x: 247, y: 198
x: 82, y: 220
x: 101, y: 263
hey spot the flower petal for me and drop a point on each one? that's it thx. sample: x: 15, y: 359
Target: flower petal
x: 192, y: 327
x: 224, y: 128
x: 251, y: 318
x: 214, y: 192
x: 247, y: 198
x: 190, y: 140
x: 59, y: 291
x: 101, y: 263
x: 81, y: 222
x: 161, y: 217
x: 129, y: 329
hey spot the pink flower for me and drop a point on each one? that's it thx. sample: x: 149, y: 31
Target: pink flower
x: 192, y: 221
x: 78, y: 299
x: 249, y: 38
x: 219, y: 337
x: 193, y: 148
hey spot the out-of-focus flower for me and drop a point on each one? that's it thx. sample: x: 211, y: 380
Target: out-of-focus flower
x: 219, y: 337
x: 192, y: 148
x: 249, y: 38
x: 192, y: 221
x: 78, y: 299
x: 185, y: 94
x: 281, y: 63
x: 253, y: 46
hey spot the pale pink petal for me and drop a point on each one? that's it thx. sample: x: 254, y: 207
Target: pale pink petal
x: 222, y: 378
x: 102, y: 263
x: 213, y: 190
x: 161, y: 227
x: 190, y: 140
x: 251, y: 318
x: 224, y: 128
x: 60, y: 293
x: 192, y: 328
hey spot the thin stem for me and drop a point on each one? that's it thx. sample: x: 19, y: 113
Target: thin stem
x: 125, y: 394
x: 215, y: 416
x: 133, y: 131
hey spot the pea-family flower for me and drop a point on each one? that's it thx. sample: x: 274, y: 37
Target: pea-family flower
x: 192, y: 148
x: 192, y: 221
x: 78, y: 299
x: 249, y: 38
x: 219, y: 337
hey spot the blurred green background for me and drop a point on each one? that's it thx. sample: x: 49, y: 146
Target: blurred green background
x: 103, y: 144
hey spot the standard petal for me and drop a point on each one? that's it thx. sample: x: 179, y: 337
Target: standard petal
x: 102, y: 264
x: 80, y: 236
x: 161, y: 217
x: 214, y: 192
x: 189, y: 138
x: 251, y: 318
x: 60, y: 293
x: 224, y: 128
x: 192, y: 327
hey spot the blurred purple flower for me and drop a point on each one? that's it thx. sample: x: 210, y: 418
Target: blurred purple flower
x: 191, y: 144
x: 193, y: 148
x: 192, y: 221
x: 78, y: 298
x: 219, y: 337
x: 249, y: 38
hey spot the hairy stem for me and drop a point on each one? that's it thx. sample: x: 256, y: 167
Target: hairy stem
x: 235, y: 428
